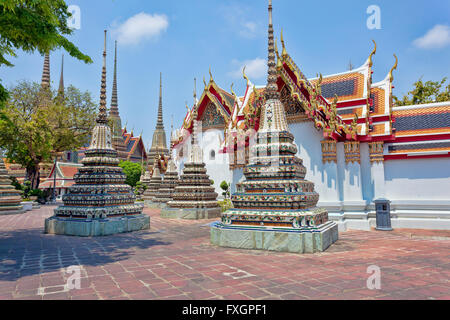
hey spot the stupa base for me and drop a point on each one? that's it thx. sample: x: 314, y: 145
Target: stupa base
x: 96, y: 227
x: 191, y: 213
x: 152, y: 205
x: 275, y: 239
x: 18, y: 210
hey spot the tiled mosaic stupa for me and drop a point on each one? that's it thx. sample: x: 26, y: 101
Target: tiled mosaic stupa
x: 170, y: 181
x: 159, y: 144
x: 9, y: 197
x: 194, y: 196
x: 275, y: 207
x: 153, y: 186
x: 99, y: 203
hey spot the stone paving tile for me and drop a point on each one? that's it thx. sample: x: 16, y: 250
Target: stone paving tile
x: 174, y: 260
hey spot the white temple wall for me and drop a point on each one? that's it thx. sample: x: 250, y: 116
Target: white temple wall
x: 324, y: 176
x: 217, y: 163
x: 366, y: 174
x: 417, y: 179
x: 238, y: 174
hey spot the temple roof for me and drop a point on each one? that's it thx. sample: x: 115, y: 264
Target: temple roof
x: 65, y: 173
x: 346, y: 106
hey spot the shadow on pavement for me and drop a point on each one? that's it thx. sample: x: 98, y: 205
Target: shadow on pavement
x: 29, y: 251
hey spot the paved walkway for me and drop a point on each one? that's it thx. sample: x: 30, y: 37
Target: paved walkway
x: 174, y: 260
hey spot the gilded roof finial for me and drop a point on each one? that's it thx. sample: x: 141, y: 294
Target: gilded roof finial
x: 373, y: 52
x: 210, y: 75
x: 245, y: 76
x: 284, y: 52
x: 204, y: 82
x: 233, y: 93
x: 102, y: 116
x: 279, y: 64
x: 391, y: 77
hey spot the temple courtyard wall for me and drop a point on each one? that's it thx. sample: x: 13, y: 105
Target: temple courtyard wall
x: 417, y: 188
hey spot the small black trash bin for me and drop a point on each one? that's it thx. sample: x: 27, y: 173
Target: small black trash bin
x: 383, y: 211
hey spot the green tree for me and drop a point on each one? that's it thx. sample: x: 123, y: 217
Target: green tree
x: 427, y: 92
x: 226, y: 189
x: 31, y: 25
x: 37, y: 125
x: 132, y: 171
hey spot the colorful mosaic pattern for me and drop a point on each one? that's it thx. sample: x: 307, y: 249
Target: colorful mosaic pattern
x: 194, y: 189
x: 211, y: 117
x: 378, y: 102
x: 346, y: 86
x: 419, y: 147
x: 100, y: 190
x: 170, y: 181
x: 351, y: 150
x: 153, y: 185
x: 417, y: 121
x: 9, y: 197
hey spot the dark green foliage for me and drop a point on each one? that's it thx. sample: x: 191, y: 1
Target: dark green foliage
x: 132, y: 171
x: 34, y: 25
x: 226, y: 189
x: 427, y: 92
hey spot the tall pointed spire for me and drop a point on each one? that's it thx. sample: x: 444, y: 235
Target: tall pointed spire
x: 274, y: 198
x: 45, y: 81
x: 272, y: 89
x: 159, y: 143
x: 160, y: 124
x: 61, y: 79
x: 114, y: 111
x: 102, y: 116
x: 273, y: 117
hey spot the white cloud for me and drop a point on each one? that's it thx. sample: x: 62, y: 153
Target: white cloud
x: 437, y: 37
x: 248, y: 29
x: 238, y: 17
x: 254, y: 69
x: 140, y: 27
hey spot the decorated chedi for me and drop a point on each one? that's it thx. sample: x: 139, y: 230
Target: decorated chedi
x: 118, y: 142
x: 194, y: 196
x: 275, y: 207
x: 159, y: 144
x: 99, y: 203
x: 168, y: 184
x: 153, y: 186
x: 146, y: 179
x: 9, y: 197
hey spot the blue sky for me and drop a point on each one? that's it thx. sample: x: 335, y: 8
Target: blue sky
x: 182, y: 39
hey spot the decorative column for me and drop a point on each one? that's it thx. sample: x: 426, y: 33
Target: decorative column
x: 352, y: 184
x: 329, y: 196
x: 377, y: 169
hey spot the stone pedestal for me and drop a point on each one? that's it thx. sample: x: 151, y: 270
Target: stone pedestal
x: 283, y: 240
x: 154, y: 205
x: 96, y: 227
x: 190, y: 214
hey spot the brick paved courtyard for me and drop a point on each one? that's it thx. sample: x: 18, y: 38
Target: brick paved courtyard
x: 174, y: 260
